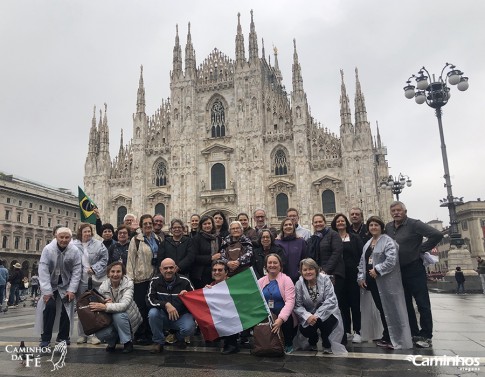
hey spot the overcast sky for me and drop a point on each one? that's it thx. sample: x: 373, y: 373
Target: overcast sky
x: 60, y: 58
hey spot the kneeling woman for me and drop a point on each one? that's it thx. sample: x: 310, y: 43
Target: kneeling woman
x: 118, y: 291
x: 317, y: 308
x: 279, y: 292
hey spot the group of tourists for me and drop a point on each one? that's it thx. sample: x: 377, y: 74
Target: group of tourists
x: 349, y: 281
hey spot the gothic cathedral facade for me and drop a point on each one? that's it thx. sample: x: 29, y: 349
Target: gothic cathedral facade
x: 231, y: 138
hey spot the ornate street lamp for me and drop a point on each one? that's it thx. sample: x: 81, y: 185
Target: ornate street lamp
x: 396, y: 184
x: 436, y: 93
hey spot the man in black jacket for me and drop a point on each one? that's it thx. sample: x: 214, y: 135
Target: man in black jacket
x: 167, y: 310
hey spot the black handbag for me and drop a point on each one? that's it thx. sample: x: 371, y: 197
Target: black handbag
x: 91, y: 321
x: 266, y: 342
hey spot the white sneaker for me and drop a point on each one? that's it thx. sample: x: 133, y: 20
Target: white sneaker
x: 94, y: 340
x: 349, y: 337
x: 81, y: 340
x: 356, y: 338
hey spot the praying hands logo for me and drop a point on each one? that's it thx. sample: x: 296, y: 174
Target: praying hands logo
x: 61, y: 349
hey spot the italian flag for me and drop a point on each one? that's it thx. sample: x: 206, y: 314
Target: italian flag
x: 228, y: 307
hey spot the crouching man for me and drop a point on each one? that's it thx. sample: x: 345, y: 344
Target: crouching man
x: 166, y: 309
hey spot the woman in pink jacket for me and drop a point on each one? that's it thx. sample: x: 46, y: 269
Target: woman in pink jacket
x: 279, y: 292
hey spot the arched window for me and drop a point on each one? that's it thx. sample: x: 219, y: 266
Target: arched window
x: 160, y: 209
x: 280, y: 165
x: 4, y: 242
x: 16, y: 242
x: 161, y: 174
x: 281, y: 204
x: 328, y: 202
x: 37, y: 245
x: 218, y: 177
x: 218, y: 120
x: 122, y: 211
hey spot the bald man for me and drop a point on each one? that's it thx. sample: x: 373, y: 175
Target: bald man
x: 167, y: 310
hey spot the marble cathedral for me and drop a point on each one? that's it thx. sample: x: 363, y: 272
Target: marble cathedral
x: 231, y: 138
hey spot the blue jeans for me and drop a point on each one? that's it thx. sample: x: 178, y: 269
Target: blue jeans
x: 14, y: 297
x: 2, y: 294
x: 414, y: 282
x: 158, y: 320
x: 119, y: 328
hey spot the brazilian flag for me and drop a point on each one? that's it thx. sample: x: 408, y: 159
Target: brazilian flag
x: 86, y: 206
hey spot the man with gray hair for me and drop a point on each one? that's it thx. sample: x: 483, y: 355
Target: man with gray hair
x: 409, y: 234
x: 59, y: 275
x: 259, y: 216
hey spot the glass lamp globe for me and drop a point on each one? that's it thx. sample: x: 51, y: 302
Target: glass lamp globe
x: 420, y: 98
x: 422, y: 82
x: 454, y: 77
x: 409, y: 91
x: 463, y: 84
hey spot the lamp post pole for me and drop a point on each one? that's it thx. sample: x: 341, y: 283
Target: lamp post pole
x: 436, y: 94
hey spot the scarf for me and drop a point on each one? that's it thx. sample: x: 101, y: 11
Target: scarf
x: 214, y: 241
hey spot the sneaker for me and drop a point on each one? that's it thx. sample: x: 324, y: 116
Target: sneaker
x: 127, y: 347
x: 356, y: 338
x: 349, y: 336
x: 327, y: 351
x: 288, y: 349
x: 187, y: 340
x: 170, y: 339
x: 82, y: 339
x: 244, y: 340
x: 383, y: 343
x: 312, y: 347
x: 424, y: 343
x: 156, y: 348
x: 93, y: 339
x: 68, y: 341
x: 44, y: 343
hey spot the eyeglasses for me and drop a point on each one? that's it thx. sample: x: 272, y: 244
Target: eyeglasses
x: 259, y: 217
x: 235, y: 229
x: 217, y: 269
x: 121, y: 233
x: 176, y: 227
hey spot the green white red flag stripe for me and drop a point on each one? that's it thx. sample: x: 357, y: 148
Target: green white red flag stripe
x: 228, y: 307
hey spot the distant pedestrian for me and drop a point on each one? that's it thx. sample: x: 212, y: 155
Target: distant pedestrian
x: 3, y: 282
x: 15, y: 280
x: 481, y: 271
x: 460, y: 281
x: 34, y: 286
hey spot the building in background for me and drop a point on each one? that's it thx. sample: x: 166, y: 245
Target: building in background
x: 28, y: 213
x: 231, y: 137
x: 471, y: 222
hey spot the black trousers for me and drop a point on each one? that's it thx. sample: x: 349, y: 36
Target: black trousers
x: 49, y: 315
x: 140, y: 292
x: 372, y: 287
x: 326, y: 327
x: 414, y: 282
x: 350, y: 307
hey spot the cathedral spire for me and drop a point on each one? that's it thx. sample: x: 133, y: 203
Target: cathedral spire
x: 189, y: 56
x: 177, y: 55
x: 379, y: 143
x: 140, y: 97
x: 263, y: 53
x: 120, y: 153
x: 93, y: 135
x: 276, y: 65
x: 297, y: 79
x: 345, y: 115
x: 253, y: 42
x: 240, y: 53
x: 104, y: 131
x: 360, y: 110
